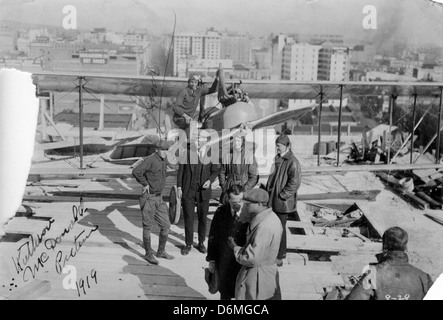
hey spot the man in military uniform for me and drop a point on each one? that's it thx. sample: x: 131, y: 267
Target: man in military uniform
x: 151, y: 174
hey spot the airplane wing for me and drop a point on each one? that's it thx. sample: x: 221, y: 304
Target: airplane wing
x: 156, y: 86
x: 152, y: 86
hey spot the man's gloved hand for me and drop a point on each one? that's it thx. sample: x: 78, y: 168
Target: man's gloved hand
x: 146, y: 189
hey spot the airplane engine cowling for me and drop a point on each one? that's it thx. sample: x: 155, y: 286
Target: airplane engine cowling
x: 240, y: 112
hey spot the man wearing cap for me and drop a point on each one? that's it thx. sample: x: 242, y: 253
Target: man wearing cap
x: 282, y: 186
x: 151, y: 174
x: 392, y: 278
x: 258, y: 277
x: 185, y: 105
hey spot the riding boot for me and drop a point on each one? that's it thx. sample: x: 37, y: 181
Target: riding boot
x: 149, y: 256
x: 161, y: 253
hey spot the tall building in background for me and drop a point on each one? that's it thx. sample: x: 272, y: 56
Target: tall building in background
x: 300, y: 62
x: 333, y: 63
x: 278, y: 42
x: 195, y: 46
x: 363, y: 54
x: 235, y: 47
x: 8, y: 39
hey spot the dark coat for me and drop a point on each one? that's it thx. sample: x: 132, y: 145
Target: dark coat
x: 244, y: 173
x: 223, y: 226
x: 187, y: 173
x: 151, y: 171
x: 187, y: 100
x: 393, y: 278
x: 283, y: 183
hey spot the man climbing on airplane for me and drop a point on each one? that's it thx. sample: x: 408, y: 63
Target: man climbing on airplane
x: 185, y: 105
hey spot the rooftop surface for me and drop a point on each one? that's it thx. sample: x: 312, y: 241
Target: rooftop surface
x: 102, y: 245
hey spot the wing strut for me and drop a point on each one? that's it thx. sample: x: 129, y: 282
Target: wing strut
x: 80, y: 112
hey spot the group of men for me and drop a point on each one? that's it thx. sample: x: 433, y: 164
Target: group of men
x: 248, y: 227
x: 247, y: 237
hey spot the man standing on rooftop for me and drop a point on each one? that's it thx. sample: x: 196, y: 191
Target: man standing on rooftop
x: 151, y: 174
x: 282, y: 186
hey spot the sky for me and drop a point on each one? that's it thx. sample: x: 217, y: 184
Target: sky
x: 415, y: 19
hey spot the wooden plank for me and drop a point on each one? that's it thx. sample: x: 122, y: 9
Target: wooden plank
x: 388, y: 178
x: 369, y: 195
x: 358, y: 235
x: 329, y: 244
x: 432, y: 203
x: 438, y: 217
x: 73, y: 199
x: 411, y: 198
x: 437, y: 175
x: 91, y: 196
x: 301, y: 225
x: 106, y: 289
x: 405, y: 195
x: 73, y: 173
x: 424, y: 173
x: 31, y: 291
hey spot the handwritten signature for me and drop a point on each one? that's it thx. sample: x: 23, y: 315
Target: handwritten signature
x: 27, y: 250
x: 61, y: 259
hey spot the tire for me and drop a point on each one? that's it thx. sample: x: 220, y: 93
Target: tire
x: 174, y: 206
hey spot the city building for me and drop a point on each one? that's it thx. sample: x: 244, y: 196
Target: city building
x: 8, y: 40
x: 204, y: 67
x: 235, y: 47
x: 318, y: 39
x: 97, y: 61
x: 250, y: 72
x: 277, y: 45
x: 196, y: 46
x: 333, y: 63
x: 22, y: 64
x: 363, y: 54
x: 40, y: 47
x: 300, y: 62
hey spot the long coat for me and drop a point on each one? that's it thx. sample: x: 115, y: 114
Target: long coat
x: 224, y: 225
x: 283, y: 183
x: 187, y: 173
x: 244, y: 173
x: 258, y: 277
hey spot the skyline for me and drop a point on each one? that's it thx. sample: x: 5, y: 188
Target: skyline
x: 415, y: 20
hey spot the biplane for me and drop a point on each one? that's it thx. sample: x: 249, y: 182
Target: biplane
x: 238, y: 116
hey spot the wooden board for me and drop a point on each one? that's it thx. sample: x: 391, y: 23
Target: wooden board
x: 31, y: 291
x: 330, y: 244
